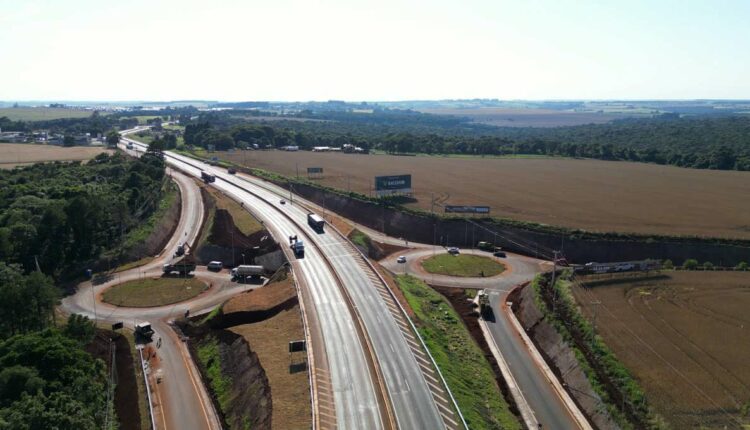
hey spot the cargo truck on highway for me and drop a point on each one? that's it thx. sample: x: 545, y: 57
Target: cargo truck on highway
x: 297, y: 246
x: 246, y: 270
x: 207, y: 178
x: 316, y: 222
x: 181, y: 268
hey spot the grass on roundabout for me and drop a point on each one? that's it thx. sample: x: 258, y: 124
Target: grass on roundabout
x: 463, y: 265
x: 149, y: 292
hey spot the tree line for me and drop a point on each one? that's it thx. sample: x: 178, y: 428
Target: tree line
x: 700, y: 142
x: 59, y: 216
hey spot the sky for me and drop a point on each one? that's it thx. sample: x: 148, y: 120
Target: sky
x: 286, y: 50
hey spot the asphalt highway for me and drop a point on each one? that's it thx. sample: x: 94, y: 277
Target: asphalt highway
x: 410, y: 394
x: 548, y: 409
x: 356, y: 405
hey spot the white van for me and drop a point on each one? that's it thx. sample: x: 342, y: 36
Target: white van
x: 215, y: 265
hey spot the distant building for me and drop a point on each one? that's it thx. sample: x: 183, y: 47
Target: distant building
x: 12, y: 137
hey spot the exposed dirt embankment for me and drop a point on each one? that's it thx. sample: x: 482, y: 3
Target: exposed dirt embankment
x: 560, y: 357
x: 256, y: 305
x: 371, y: 248
x: 126, y: 390
x: 222, y: 238
x: 242, y: 349
x: 232, y: 372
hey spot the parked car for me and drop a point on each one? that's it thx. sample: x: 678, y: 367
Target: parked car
x: 215, y: 265
x: 499, y: 254
x: 231, y: 171
x: 401, y: 259
x: 453, y: 250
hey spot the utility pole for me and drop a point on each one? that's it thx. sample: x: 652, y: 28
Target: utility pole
x: 596, y: 304
x: 552, y: 285
x: 432, y: 203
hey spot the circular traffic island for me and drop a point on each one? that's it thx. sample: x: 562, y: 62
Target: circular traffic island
x: 462, y: 265
x: 151, y: 292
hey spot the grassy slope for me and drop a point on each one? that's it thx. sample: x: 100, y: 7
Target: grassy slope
x: 466, y: 371
x: 462, y: 265
x: 153, y: 292
x: 221, y: 385
x: 244, y: 221
x: 144, y: 230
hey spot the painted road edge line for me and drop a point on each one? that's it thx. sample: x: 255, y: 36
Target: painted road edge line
x: 527, y: 414
x: 576, y: 413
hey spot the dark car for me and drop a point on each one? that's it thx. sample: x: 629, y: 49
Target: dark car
x: 231, y: 171
x: 499, y: 254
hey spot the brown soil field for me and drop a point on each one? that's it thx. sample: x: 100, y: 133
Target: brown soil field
x: 290, y: 390
x: 506, y: 117
x: 19, y: 154
x: 591, y: 195
x: 685, y: 337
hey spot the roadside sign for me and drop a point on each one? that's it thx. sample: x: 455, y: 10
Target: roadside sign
x: 297, y: 345
x: 314, y: 172
x: 393, y: 184
x: 467, y: 209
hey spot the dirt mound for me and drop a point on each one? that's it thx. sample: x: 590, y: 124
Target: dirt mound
x: 225, y: 233
x: 261, y: 299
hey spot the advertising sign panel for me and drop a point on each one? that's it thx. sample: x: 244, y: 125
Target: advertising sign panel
x: 394, y: 184
x: 467, y: 209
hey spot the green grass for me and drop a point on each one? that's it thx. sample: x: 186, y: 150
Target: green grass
x: 42, y: 113
x: 462, y: 265
x: 144, y: 230
x: 143, y: 118
x: 153, y: 292
x: 359, y: 238
x: 460, y: 359
x: 221, y: 384
x: 142, y: 136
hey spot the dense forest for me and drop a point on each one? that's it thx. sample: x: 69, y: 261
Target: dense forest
x: 47, y: 379
x: 61, y: 215
x: 54, y: 218
x: 697, y: 142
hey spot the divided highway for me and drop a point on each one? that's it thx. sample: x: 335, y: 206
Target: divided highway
x: 355, y: 402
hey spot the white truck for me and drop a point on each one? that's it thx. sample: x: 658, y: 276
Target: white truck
x: 246, y: 270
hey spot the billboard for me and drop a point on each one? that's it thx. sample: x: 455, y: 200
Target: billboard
x: 394, y: 184
x: 314, y: 170
x: 467, y: 209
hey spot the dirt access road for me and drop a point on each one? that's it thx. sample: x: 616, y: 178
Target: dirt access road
x: 591, y: 195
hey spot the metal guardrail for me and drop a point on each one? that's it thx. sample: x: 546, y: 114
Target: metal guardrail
x: 148, y: 390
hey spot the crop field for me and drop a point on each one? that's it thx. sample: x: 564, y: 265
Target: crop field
x: 685, y: 338
x: 42, y: 113
x: 507, y: 117
x: 18, y: 154
x: 587, y: 194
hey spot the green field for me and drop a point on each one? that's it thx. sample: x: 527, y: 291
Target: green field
x: 462, y: 265
x: 460, y: 359
x: 42, y: 113
x: 150, y: 292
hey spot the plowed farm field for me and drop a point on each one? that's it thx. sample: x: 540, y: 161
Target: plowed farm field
x: 21, y: 154
x: 591, y: 195
x: 686, y: 339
